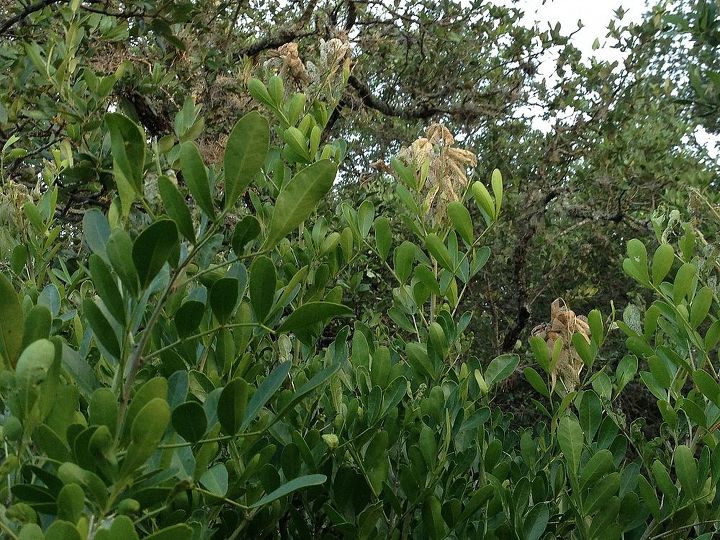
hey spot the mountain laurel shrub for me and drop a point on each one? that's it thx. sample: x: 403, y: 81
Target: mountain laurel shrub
x: 200, y: 373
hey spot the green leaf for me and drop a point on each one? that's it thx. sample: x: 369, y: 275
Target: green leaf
x: 247, y: 229
x: 686, y: 469
x: 541, y: 352
x: 224, y: 296
x: 536, y: 521
x: 536, y: 381
x: 662, y: 262
x: 106, y: 288
x: 101, y: 327
x: 11, y: 322
x: 176, y: 207
x: 37, y: 325
x: 700, y: 306
x: 598, y: 465
x: 707, y: 385
x: 152, y: 249
x: 196, y: 178
x: 497, y: 187
x: 298, y: 198
x: 103, y: 409
x: 595, y: 322
x: 188, y: 317
x: 147, y: 431
x: 683, y: 282
x: 245, y: 153
x: 484, y: 200
x: 570, y: 438
x: 461, y: 220
x: 300, y: 482
x: 174, y: 532
x: 366, y: 215
x: 404, y: 258
x: 438, y: 250
x: 263, y: 283
x: 190, y: 421
x: 215, y: 480
x: 62, y: 530
x: 96, y: 231
x: 636, y: 264
x: 155, y: 388
x: 435, y: 524
x: 500, y: 368
x: 127, y: 142
x: 232, y: 404
x: 313, y: 312
x: 265, y: 391
x: 601, y: 491
x: 70, y: 503
x: 33, y: 368
x: 376, y: 461
x: 119, y: 252
x: 383, y: 237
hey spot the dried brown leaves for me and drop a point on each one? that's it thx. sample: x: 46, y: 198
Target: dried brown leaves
x: 443, y: 168
x: 563, y: 324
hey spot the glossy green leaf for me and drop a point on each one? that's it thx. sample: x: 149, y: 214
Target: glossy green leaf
x: 683, y: 282
x: 106, y: 288
x: 461, y: 220
x: 700, y: 306
x: 298, y: 198
x: 245, y: 152
x: 301, y: 482
x: 404, y: 259
x: 224, y: 297
x: 500, y: 368
x: 176, y: 207
x: 152, y: 249
x: 707, y: 385
x: 313, y: 312
x: 190, y: 421
x: 484, y: 200
x: 497, y: 187
x: 119, y: 252
x: 536, y: 521
x: 103, y: 409
x: 174, y: 532
x: 262, y: 285
x: 383, y: 236
x: 438, y: 250
x: 247, y: 229
x: 570, y: 438
x: 662, y: 262
x: 37, y: 325
x: 597, y: 466
x: 188, y: 317
x: 101, y: 327
x: 536, y: 381
x: 196, y: 178
x: 96, y: 231
x: 601, y: 491
x: 215, y: 480
x: 366, y: 216
x: 267, y: 389
x: 127, y: 142
x: 686, y: 470
x: 11, y: 321
x: 147, y: 430
x: 232, y: 405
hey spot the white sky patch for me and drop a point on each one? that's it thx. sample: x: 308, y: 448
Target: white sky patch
x: 595, y: 16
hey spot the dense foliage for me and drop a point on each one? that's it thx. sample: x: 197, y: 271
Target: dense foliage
x: 219, y: 319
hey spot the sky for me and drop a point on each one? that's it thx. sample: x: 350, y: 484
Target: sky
x: 595, y: 16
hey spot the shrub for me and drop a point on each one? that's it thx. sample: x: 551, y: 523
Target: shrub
x: 191, y: 377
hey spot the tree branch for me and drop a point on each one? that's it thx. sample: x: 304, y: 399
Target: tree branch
x: 29, y: 10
